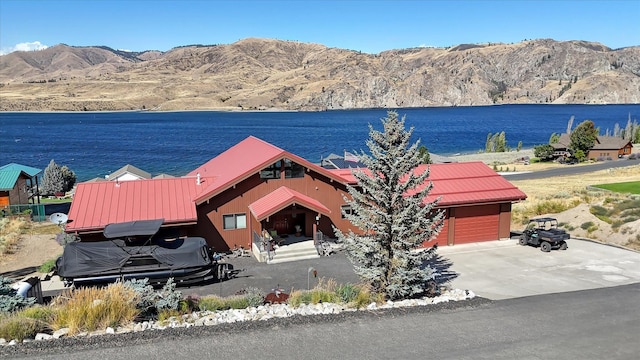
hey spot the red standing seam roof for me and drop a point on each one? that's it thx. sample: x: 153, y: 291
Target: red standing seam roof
x: 281, y: 198
x: 97, y: 204
x: 460, y: 183
x: 243, y: 160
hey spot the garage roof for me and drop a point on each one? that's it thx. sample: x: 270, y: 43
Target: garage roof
x: 461, y: 183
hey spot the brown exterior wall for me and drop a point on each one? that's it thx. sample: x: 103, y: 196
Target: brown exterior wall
x: 612, y: 153
x: 504, y: 228
x: 16, y: 195
x: 236, y: 200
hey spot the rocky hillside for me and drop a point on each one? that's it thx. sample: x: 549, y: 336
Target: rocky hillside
x: 262, y: 74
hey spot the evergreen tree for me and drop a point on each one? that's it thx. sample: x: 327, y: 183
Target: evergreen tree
x: 543, y: 152
x: 424, y: 155
x: 69, y: 178
x: 584, y: 136
x: 390, y: 208
x: 554, y: 138
x: 52, y: 179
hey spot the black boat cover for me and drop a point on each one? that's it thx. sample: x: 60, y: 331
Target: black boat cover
x: 83, y: 259
x: 132, y: 228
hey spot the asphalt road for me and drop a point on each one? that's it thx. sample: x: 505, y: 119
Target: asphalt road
x: 591, y: 324
x: 571, y: 170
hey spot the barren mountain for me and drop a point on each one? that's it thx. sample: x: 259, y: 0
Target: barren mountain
x: 262, y: 74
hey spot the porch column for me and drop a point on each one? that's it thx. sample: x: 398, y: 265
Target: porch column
x: 315, y: 230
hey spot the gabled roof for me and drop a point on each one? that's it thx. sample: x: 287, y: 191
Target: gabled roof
x: 461, y: 183
x: 131, y: 170
x: 96, y: 204
x: 610, y: 143
x: 10, y: 173
x: 602, y: 142
x: 280, y: 199
x: 243, y: 160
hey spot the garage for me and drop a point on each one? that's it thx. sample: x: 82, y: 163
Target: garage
x: 476, y: 223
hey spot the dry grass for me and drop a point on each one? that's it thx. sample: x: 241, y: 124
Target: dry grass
x: 10, y: 231
x: 570, y: 198
x: 567, y: 191
x: 89, y: 309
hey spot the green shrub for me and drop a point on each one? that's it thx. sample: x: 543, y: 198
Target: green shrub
x: 615, y: 225
x: 598, y: 210
x: 20, y: 328
x: 151, y: 301
x: 254, y: 296
x: 237, y: 302
x: 550, y: 207
x: 323, y: 296
x: 10, y: 301
x: 347, y: 292
x: 587, y: 225
x: 212, y: 303
x: 48, y: 266
x: 562, y: 195
x: 38, y: 312
x: 299, y: 297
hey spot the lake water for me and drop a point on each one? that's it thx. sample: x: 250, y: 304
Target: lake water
x: 94, y: 144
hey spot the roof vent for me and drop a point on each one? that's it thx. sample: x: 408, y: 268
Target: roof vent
x: 198, y: 179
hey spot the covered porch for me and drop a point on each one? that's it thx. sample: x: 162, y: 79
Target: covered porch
x: 289, y: 223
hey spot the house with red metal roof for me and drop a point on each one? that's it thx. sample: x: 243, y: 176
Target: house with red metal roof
x: 255, y: 186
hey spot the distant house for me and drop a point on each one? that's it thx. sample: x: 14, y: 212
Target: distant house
x: 610, y: 147
x: 255, y: 186
x: 128, y: 172
x: 605, y: 147
x: 350, y: 161
x: 17, y: 183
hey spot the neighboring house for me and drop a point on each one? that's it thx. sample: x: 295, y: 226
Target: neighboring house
x: 16, y: 185
x: 255, y: 186
x: 334, y: 161
x: 350, y: 161
x: 127, y: 173
x: 610, y: 147
x: 605, y: 147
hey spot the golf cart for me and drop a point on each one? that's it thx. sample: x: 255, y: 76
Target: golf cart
x: 544, y: 232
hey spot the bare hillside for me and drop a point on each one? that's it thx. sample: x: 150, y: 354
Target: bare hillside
x: 261, y: 74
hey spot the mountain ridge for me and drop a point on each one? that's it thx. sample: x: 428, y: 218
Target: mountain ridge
x: 268, y: 74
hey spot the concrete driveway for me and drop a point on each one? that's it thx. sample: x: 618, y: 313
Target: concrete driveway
x: 503, y: 269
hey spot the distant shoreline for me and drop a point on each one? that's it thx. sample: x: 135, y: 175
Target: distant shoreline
x: 233, y: 109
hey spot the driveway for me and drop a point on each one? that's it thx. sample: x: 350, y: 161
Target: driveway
x: 503, y: 269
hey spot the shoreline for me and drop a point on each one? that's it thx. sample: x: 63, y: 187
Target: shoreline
x: 235, y: 109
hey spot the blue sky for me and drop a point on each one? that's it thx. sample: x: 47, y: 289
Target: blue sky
x: 367, y: 26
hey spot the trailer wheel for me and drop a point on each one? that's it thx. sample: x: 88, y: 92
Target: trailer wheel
x: 563, y: 245
x: 522, y: 241
x: 545, y: 246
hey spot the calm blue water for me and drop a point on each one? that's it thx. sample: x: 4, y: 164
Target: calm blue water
x: 96, y: 144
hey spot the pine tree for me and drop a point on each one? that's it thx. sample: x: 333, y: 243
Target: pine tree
x: 69, y: 178
x: 52, y: 179
x: 390, y: 208
x: 584, y: 136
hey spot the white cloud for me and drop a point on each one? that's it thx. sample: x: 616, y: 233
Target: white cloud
x: 27, y: 46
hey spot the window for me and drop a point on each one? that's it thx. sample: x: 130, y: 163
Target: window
x: 271, y: 172
x: 234, y: 221
x: 345, y: 210
x: 291, y: 170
